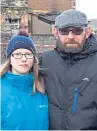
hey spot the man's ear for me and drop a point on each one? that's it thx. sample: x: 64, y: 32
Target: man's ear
x: 88, y: 31
x: 55, y: 32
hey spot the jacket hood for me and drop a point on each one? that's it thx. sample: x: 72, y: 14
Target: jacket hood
x: 90, y: 48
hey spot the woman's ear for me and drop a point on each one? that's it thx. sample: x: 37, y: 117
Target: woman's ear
x: 88, y: 31
x: 55, y: 32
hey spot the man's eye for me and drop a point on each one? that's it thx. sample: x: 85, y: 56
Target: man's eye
x: 62, y: 30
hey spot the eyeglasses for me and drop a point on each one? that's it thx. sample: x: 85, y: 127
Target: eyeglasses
x: 75, y: 30
x: 20, y: 55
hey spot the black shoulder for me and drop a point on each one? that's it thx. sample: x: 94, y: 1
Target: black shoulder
x: 47, y: 53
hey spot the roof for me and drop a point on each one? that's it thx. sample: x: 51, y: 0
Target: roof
x: 49, y: 17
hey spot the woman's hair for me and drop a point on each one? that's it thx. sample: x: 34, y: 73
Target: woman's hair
x: 35, y: 69
x: 5, y: 67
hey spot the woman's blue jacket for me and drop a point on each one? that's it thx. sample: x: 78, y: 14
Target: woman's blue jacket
x: 20, y: 108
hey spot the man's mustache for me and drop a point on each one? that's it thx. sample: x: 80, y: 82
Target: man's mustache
x: 71, y: 42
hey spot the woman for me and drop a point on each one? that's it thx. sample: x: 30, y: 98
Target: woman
x: 24, y: 105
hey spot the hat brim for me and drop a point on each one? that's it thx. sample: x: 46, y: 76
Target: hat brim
x: 70, y: 25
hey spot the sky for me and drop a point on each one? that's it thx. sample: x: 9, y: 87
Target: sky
x: 89, y: 7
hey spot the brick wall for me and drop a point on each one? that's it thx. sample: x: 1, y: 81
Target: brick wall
x: 50, y: 4
x: 42, y: 43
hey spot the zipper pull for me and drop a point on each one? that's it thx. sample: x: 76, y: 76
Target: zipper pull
x: 75, y: 100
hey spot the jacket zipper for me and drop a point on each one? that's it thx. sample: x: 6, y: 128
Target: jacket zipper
x: 74, y: 108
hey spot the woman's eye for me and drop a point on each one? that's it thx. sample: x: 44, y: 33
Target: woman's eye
x: 17, y: 53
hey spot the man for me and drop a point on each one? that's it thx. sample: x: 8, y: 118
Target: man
x: 24, y: 28
x: 70, y: 74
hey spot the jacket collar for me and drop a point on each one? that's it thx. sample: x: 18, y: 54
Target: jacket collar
x: 22, y: 82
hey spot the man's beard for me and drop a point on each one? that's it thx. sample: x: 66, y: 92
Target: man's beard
x: 71, y: 49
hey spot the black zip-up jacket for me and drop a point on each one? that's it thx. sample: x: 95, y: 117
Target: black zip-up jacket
x: 71, y: 84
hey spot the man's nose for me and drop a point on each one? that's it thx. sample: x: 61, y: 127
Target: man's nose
x: 70, y: 35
